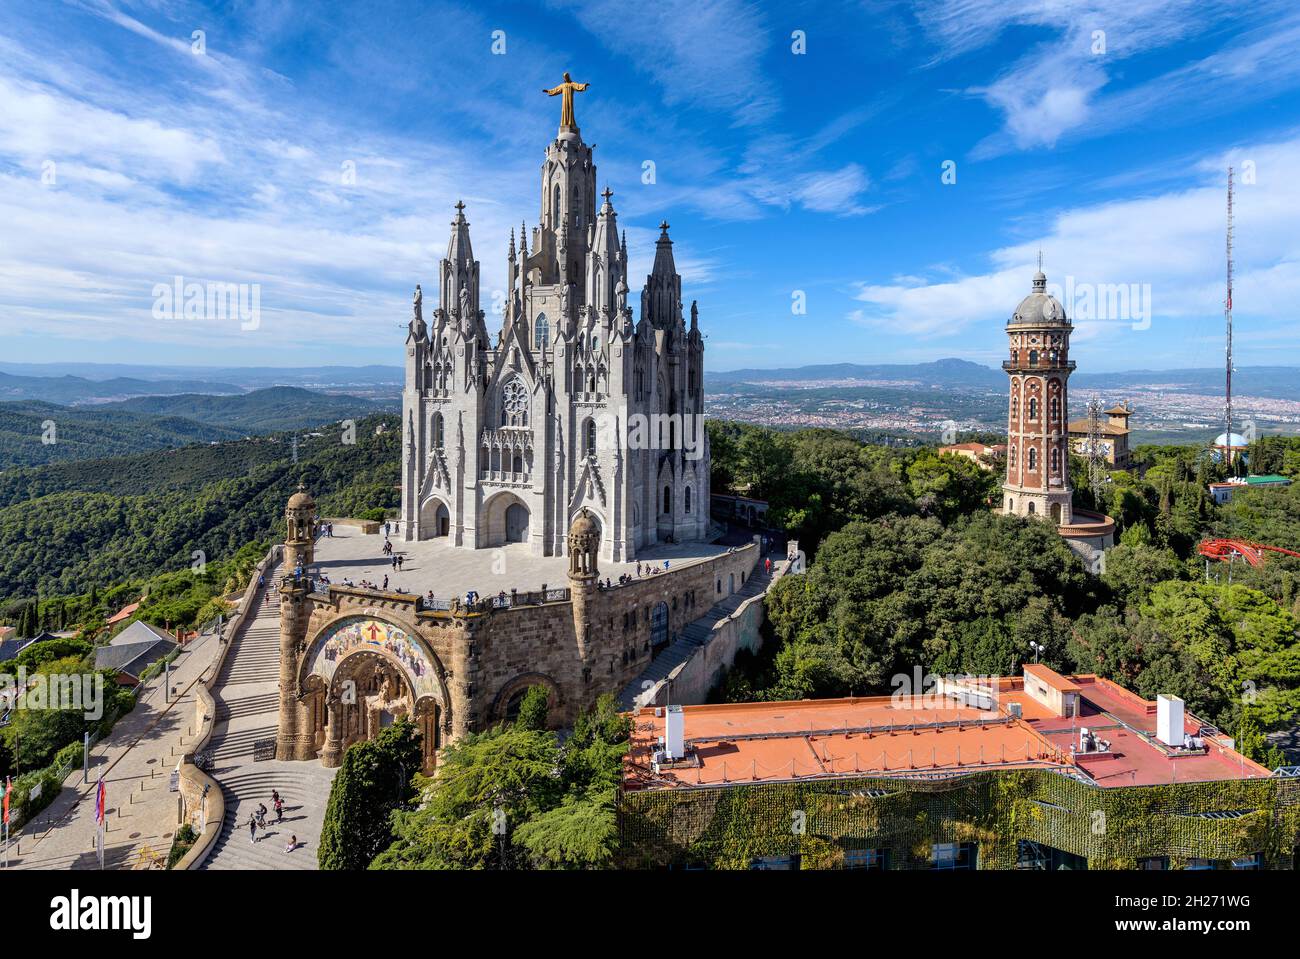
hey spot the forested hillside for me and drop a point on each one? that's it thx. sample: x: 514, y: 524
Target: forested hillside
x: 27, y: 437
x: 65, y: 528
x: 261, y: 411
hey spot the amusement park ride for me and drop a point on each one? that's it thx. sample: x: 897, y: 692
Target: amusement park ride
x: 1227, y: 550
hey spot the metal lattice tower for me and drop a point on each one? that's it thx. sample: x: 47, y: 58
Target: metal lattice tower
x: 1096, y: 459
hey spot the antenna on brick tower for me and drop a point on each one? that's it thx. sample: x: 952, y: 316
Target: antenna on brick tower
x: 1096, y: 460
x: 1227, y: 318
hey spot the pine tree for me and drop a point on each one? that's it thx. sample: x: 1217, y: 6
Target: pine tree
x: 374, y: 779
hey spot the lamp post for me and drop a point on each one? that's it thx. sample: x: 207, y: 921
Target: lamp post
x: 1037, y: 647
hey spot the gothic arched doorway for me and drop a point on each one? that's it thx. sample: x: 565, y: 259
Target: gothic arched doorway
x: 367, y: 674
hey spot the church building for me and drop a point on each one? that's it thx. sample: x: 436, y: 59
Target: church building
x: 575, y: 403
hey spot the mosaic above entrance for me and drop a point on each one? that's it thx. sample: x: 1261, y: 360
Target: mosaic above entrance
x: 364, y: 633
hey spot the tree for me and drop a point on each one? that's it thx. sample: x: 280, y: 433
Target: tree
x: 374, y: 780
x: 533, y: 709
x: 514, y: 798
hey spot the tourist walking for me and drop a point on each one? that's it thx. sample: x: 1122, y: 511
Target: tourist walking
x: 252, y: 828
x: 279, y: 809
x: 400, y: 560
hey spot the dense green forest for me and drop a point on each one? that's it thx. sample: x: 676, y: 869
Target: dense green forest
x: 65, y: 528
x: 28, y: 439
x: 908, y: 569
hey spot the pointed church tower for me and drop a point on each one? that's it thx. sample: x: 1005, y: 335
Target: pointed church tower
x: 661, y: 299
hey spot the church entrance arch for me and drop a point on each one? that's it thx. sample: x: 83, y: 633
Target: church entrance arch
x: 508, y: 520
x: 435, y: 519
x: 369, y: 673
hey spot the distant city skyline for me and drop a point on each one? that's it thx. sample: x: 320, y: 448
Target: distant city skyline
x: 895, y: 167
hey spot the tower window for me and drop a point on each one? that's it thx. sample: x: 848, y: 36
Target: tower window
x: 589, y: 437
x: 668, y: 499
x: 1033, y: 407
x: 686, y: 500
x: 1033, y: 459
x: 1033, y: 357
x: 541, y: 332
x: 1056, y: 460
x: 437, y: 429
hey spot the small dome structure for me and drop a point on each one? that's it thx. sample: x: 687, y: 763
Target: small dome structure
x: 301, y: 499
x: 1039, y: 307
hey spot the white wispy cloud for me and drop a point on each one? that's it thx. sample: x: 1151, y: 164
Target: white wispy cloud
x: 1074, y: 75
x: 1172, y: 241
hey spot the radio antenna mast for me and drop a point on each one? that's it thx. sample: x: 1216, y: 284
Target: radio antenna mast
x: 1227, y: 317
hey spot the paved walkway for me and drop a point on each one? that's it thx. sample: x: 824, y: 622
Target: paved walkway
x: 248, y: 698
x: 136, y: 760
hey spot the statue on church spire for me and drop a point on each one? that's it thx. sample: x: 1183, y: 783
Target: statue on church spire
x: 566, y: 90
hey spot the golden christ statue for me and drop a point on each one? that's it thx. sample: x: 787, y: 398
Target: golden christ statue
x: 567, y: 89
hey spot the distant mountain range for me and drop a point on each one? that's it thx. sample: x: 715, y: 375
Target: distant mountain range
x: 68, y: 390
x: 1278, y: 382
x: 75, y: 383
x: 159, y: 422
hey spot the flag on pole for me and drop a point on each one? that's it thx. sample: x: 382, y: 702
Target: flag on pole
x: 9, y: 788
x: 101, y: 799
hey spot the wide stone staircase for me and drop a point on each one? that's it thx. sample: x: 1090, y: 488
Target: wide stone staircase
x: 696, y: 634
x: 247, y: 699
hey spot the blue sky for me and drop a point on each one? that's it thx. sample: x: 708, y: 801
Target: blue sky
x: 131, y: 153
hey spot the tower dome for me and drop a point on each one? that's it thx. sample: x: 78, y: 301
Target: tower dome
x: 301, y: 499
x: 1039, y: 307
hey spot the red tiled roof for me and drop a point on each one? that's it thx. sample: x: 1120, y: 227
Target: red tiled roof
x: 902, y: 736
x: 124, y: 613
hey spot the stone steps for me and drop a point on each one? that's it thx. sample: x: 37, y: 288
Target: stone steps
x: 247, y: 710
x: 693, y: 636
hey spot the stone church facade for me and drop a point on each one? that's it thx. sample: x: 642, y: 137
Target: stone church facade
x: 576, y: 404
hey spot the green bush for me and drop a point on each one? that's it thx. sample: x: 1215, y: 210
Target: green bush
x: 182, y: 843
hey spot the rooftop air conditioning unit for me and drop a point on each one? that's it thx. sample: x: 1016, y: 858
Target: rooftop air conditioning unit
x: 1169, y: 720
x: 674, y: 733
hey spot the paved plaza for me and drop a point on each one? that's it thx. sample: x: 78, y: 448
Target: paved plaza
x: 434, y: 564
x: 136, y: 761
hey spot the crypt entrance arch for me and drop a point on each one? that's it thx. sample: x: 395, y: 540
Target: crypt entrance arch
x: 364, y: 672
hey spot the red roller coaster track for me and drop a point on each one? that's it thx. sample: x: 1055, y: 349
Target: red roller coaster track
x: 1226, y: 550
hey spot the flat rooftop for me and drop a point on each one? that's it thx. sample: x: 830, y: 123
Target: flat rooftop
x: 933, y: 735
x: 434, y: 564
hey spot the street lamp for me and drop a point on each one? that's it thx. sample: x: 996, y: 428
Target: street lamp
x: 1037, y: 647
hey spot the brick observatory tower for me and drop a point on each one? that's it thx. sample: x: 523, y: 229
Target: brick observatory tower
x: 1038, y: 460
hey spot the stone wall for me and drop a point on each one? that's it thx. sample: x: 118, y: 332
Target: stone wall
x: 486, y: 655
x: 691, y: 682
